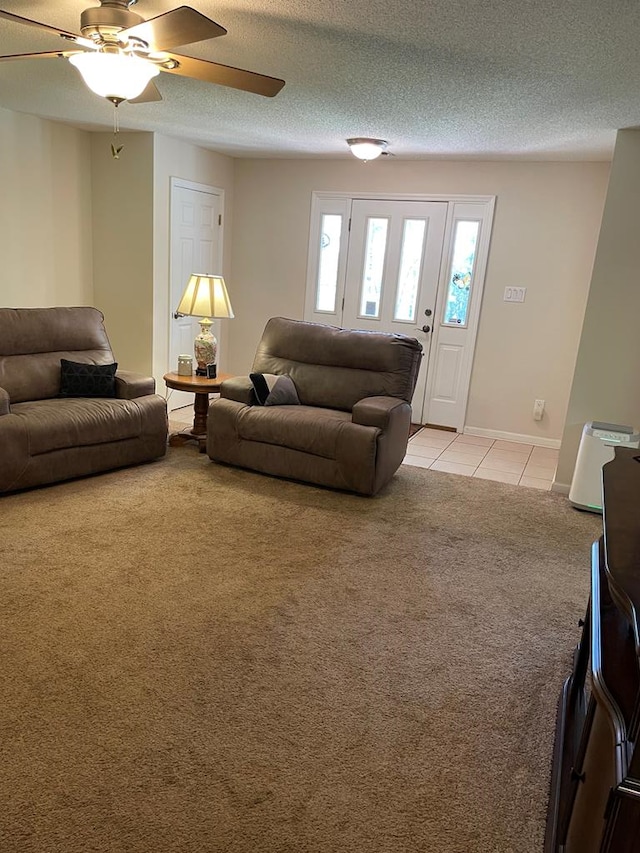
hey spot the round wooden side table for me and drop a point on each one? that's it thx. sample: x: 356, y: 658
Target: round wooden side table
x: 201, y: 387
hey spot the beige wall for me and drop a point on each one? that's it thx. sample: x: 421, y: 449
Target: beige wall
x: 544, y: 237
x: 606, y: 386
x: 173, y: 158
x: 45, y: 213
x: 131, y: 237
x: 123, y: 244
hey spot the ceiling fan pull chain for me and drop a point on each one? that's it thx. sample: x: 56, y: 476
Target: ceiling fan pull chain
x: 116, y: 149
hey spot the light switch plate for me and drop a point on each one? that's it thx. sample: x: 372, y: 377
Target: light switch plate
x: 515, y: 294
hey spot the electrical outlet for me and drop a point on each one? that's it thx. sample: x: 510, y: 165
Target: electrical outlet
x: 538, y: 409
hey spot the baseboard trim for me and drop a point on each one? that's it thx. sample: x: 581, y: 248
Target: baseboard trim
x: 560, y: 488
x: 513, y: 436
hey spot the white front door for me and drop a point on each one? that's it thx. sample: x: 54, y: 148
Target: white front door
x: 196, y: 247
x: 411, y: 266
x: 393, y: 266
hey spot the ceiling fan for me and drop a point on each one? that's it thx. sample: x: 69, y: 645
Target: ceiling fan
x: 119, y: 52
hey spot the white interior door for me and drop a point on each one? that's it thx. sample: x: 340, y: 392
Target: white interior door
x: 392, y: 273
x: 196, y: 247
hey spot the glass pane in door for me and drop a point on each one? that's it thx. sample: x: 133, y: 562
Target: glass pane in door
x: 413, y: 234
x: 374, y: 255
x: 327, y: 287
x: 460, y: 275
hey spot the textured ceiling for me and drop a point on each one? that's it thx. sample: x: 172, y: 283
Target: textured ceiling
x: 524, y: 79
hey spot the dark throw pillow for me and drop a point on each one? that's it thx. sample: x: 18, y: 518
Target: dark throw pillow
x: 272, y: 389
x: 87, y: 380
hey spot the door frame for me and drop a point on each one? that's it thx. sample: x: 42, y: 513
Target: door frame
x: 176, y: 183
x: 323, y: 202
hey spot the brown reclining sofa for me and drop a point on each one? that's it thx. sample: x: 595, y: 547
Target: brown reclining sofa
x: 45, y: 437
x: 351, y: 428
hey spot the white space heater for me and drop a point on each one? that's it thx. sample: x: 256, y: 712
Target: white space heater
x: 597, y: 446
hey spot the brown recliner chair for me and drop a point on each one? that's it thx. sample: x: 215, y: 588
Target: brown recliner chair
x: 46, y: 437
x: 351, y: 427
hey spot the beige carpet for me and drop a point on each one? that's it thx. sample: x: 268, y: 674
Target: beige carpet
x: 197, y: 658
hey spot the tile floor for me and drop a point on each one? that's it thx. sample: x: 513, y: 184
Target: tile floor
x: 475, y: 456
x: 179, y: 419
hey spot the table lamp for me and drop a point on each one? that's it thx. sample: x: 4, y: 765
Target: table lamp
x: 205, y: 296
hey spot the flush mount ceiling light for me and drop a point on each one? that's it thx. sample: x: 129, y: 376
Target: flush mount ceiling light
x: 367, y: 149
x: 117, y: 76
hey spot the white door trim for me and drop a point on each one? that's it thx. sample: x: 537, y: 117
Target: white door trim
x: 461, y: 197
x: 194, y: 185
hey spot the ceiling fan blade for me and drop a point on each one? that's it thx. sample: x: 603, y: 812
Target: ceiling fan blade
x: 46, y: 55
x: 20, y: 20
x: 149, y: 95
x: 225, y: 75
x: 172, y: 29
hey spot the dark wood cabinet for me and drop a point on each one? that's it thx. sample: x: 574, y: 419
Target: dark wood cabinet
x: 595, y: 792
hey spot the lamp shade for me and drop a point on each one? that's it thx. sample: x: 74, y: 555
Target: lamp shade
x: 205, y: 296
x: 116, y: 76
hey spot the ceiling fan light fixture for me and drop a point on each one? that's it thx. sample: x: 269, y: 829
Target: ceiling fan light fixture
x: 116, y: 76
x: 367, y: 149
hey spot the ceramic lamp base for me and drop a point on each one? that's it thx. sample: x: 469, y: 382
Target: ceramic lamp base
x: 205, y: 347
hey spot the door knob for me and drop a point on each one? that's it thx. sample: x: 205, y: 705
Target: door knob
x: 425, y: 329
x: 427, y: 312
